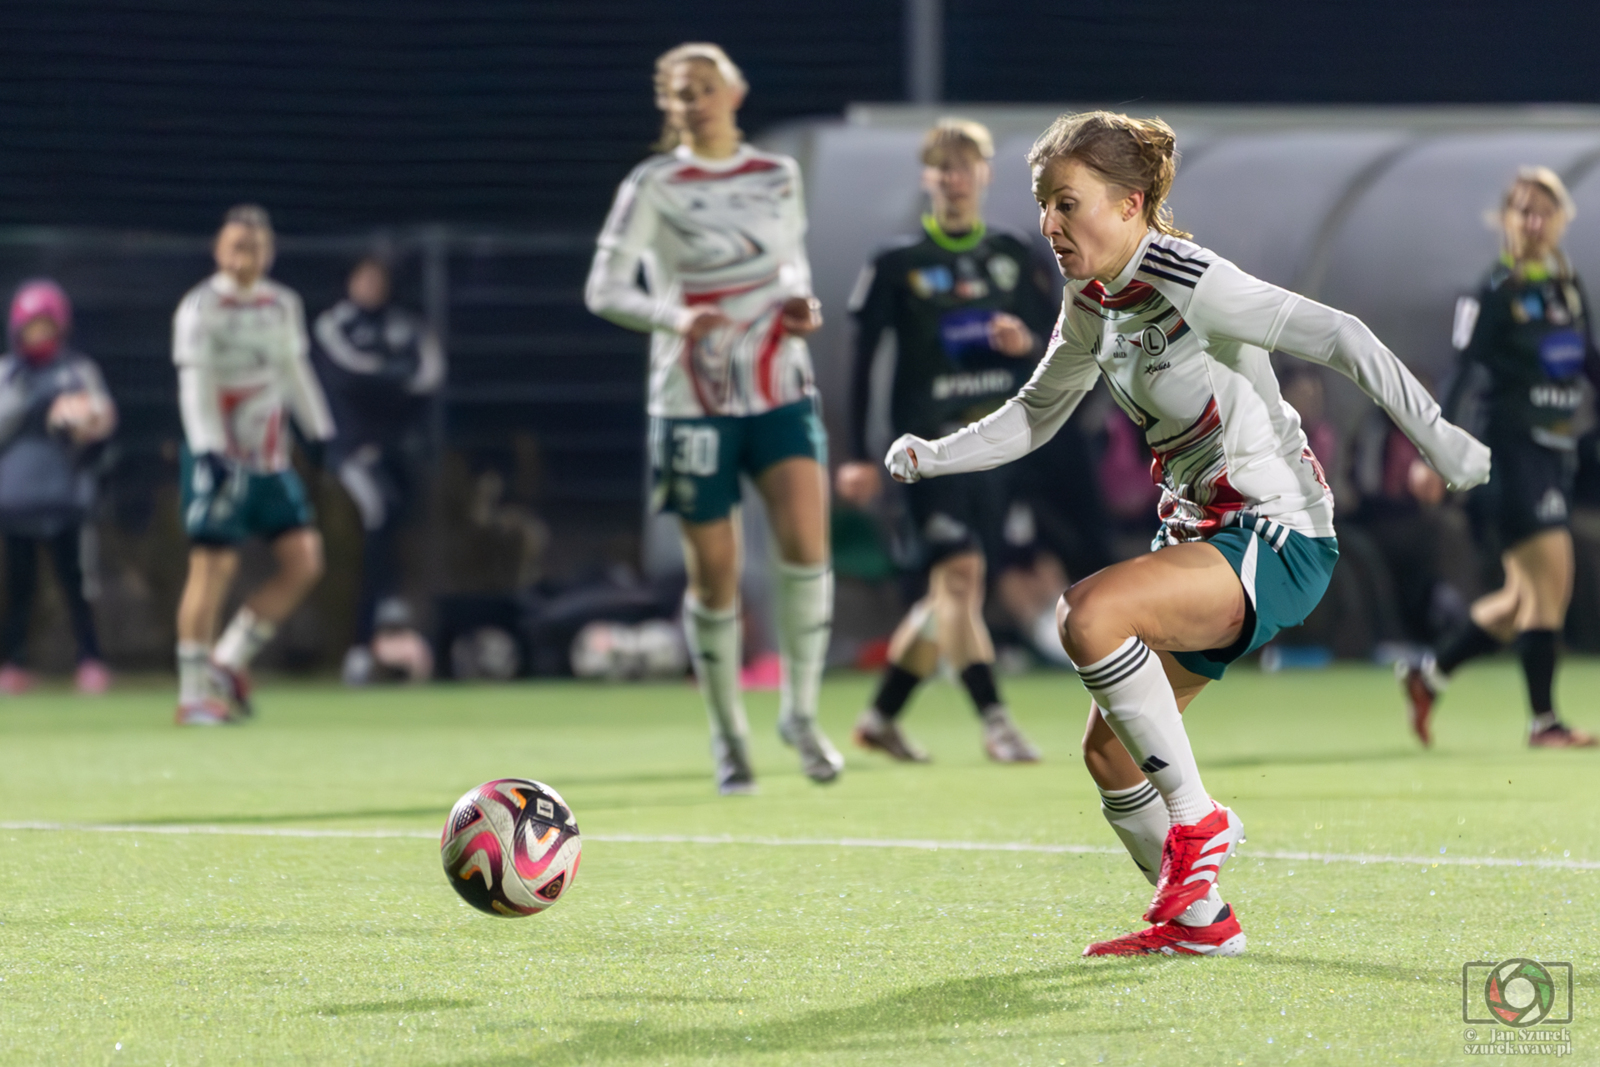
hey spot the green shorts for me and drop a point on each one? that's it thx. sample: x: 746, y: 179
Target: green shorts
x: 248, y: 504
x: 695, y: 464
x: 1284, y: 574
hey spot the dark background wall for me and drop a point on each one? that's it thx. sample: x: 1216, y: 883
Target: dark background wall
x: 1290, y: 51
x: 159, y: 113
x: 155, y: 114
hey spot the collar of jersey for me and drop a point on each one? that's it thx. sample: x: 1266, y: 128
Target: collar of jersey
x: 965, y: 243
x: 1531, y: 272
x: 1121, y: 281
x: 740, y: 154
x: 223, y: 283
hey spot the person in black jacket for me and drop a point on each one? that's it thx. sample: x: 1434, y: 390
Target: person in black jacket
x: 963, y: 312
x: 1526, y: 348
x: 382, y: 368
x: 54, y: 411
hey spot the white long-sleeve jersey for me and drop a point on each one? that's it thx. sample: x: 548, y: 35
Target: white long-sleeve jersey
x: 1181, y: 338
x: 728, y: 233
x: 241, y: 357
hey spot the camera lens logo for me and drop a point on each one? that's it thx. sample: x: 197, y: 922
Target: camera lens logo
x: 1520, y: 992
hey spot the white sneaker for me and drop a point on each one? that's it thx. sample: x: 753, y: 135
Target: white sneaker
x: 1003, y: 741
x: 358, y: 664
x: 876, y: 734
x: 819, y: 760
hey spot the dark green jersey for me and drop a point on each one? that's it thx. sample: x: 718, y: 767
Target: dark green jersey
x: 935, y: 296
x: 1525, y: 347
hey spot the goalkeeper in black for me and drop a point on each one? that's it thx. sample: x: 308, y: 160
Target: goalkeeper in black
x: 961, y: 313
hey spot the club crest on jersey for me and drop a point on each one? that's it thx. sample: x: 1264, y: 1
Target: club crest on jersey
x: 1005, y: 272
x: 1153, y: 341
x: 926, y: 281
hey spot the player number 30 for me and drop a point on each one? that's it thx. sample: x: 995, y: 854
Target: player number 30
x: 694, y: 450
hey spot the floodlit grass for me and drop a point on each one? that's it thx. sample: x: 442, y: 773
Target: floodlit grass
x: 145, y: 948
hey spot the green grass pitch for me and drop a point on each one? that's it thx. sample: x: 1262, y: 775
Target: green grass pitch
x: 773, y: 946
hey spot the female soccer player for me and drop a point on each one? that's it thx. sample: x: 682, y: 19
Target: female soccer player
x: 239, y: 341
x: 718, y: 229
x: 1246, y: 543
x: 968, y: 311
x: 1525, y: 341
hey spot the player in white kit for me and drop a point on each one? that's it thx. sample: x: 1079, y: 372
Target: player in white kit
x: 1246, y: 544
x: 239, y: 341
x: 718, y: 228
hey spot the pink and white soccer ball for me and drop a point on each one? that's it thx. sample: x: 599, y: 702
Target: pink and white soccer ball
x: 511, y: 847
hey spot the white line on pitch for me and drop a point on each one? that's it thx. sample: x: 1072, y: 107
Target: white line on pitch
x: 811, y: 842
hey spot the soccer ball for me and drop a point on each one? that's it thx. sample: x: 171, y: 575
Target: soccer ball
x: 510, y: 847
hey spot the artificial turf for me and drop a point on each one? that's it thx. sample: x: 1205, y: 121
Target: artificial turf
x: 240, y: 947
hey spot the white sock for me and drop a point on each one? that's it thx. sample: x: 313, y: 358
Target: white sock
x: 245, y: 636
x: 805, y: 623
x: 1136, y: 701
x: 1140, y: 820
x: 714, y: 646
x: 194, y: 679
x: 1202, y: 912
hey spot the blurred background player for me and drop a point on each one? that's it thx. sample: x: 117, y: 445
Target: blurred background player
x: 718, y: 228
x: 382, y: 368
x: 239, y: 341
x: 54, y: 410
x: 961, y: 312
x: 1525, y: 347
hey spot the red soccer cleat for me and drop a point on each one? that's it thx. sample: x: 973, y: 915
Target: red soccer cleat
x: 1419, y: 700
x: 1222, y: 938
x: 1190, y: 861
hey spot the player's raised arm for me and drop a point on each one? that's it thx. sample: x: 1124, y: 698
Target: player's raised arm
x: 1228, y: 303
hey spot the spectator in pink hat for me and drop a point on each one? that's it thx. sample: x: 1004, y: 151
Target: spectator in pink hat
x: 54, y: 412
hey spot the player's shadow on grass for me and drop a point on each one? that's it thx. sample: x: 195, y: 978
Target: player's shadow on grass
x: 383, y: 1007
x: 920, y: 1015
x: 1313, y: 760
x: 661, y: 998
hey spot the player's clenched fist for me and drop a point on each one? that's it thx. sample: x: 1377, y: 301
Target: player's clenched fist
x: 908, y: 458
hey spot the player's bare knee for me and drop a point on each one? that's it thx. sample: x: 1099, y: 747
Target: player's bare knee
x: 1077, y: 620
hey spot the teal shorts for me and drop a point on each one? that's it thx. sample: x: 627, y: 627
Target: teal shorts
x: 247, y: 504
x: 1284, y: 574
x: 695, y: 464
